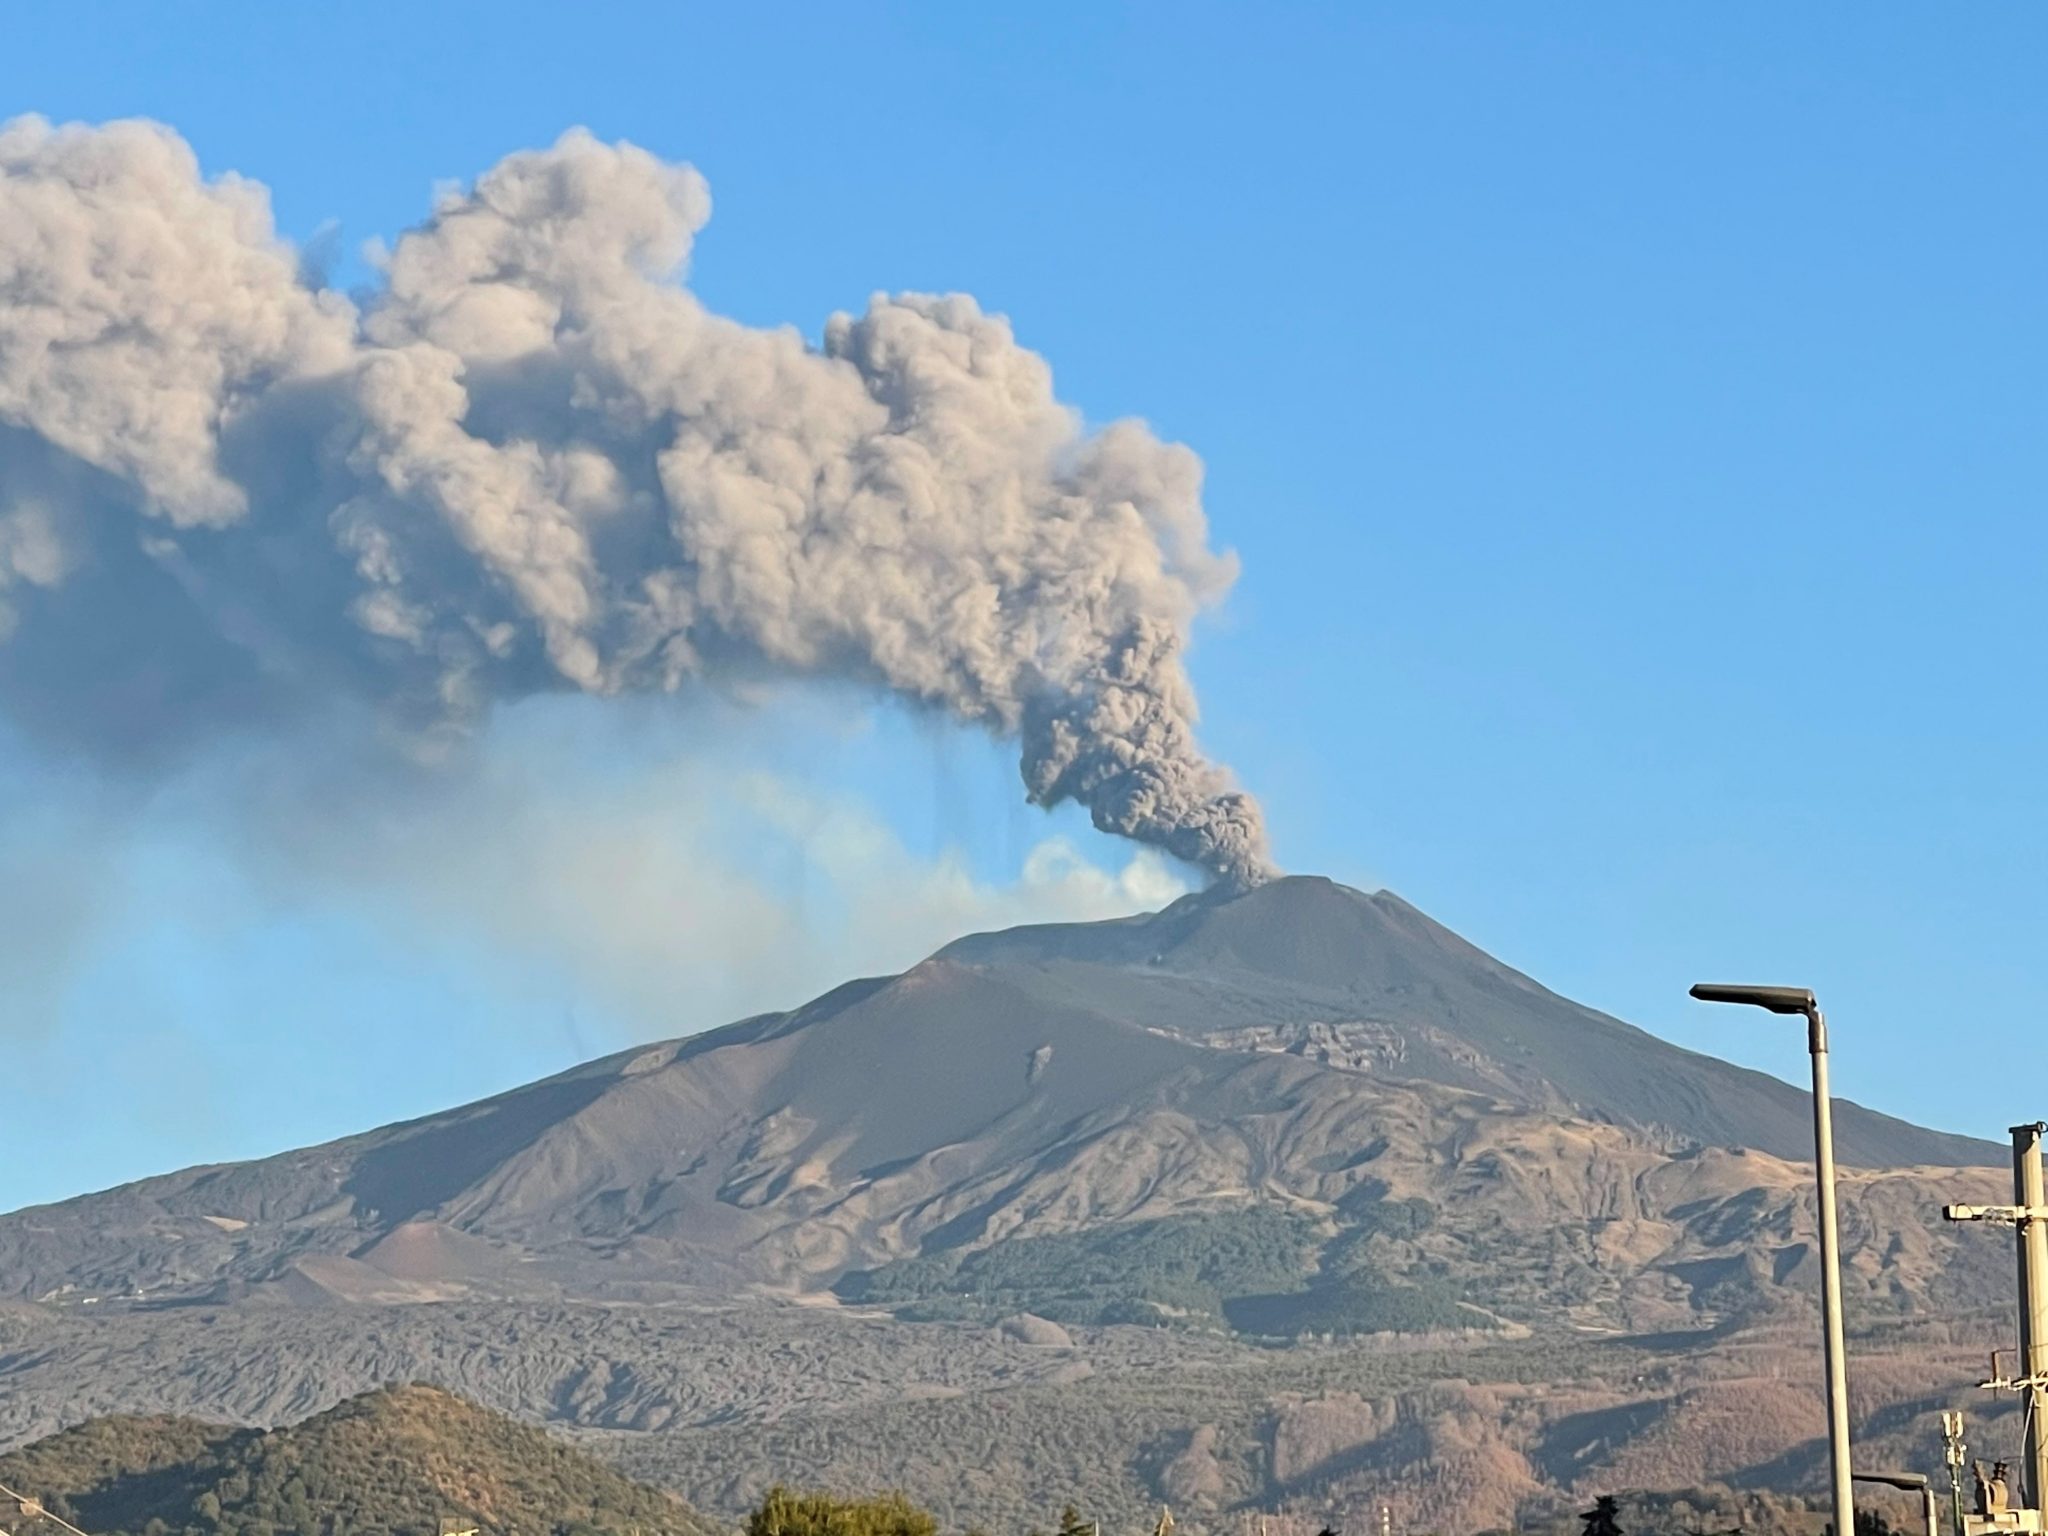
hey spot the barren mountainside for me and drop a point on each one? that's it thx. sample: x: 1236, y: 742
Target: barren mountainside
x: 1302, y: 1043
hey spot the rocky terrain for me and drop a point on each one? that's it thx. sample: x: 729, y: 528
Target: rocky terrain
x: 1288, y: 1198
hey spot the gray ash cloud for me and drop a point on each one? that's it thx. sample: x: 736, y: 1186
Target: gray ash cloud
x: 533, y: 460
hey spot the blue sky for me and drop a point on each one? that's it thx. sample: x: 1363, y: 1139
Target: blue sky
x: 1628, y: 418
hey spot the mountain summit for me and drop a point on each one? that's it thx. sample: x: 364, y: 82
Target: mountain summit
x: 1308, y: 951
x: 1299, y: 1046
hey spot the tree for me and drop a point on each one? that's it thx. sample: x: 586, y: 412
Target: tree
x: 786, y: 1513
x: 1603, y: 1518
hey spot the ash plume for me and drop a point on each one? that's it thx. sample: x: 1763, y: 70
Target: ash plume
x: 532, y: 460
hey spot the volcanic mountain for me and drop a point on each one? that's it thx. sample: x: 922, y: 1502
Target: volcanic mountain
x: 1300, y: 1048
x: 1519, y: 1251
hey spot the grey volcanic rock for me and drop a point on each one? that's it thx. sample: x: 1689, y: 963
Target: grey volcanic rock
x: 1300, y: 1042
x: 1027, y: 1328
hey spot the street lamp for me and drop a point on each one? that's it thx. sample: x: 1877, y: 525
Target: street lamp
x: 1912, y: 1482
x: 1800, y: 1001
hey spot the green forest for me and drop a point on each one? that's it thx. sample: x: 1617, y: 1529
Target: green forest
x: 1262, y: 1271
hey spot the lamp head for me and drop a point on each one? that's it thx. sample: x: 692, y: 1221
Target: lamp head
x: 1776, y: 999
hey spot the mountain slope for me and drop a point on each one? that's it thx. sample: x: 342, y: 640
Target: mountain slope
x: 1301, y: 1045
x: 398, y: 1460
x: 1305, y: 949
x: 885, y: 1235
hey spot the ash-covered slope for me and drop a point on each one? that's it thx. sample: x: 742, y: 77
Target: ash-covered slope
x: 1431, y: 1006
x: 1301, y: 1045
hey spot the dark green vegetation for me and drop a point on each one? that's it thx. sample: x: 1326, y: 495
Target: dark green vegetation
x: 1353, y: 1304
x: 1180, y: 1269
x: 1603, y: 1519
x: 1351, y: 1292
x: 1713, y: 1510
x: 1261, y: 1271
x: 783, y: 1513
x: 398, y: 1460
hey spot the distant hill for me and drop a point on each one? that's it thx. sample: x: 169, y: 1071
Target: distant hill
x: 396, y: 1460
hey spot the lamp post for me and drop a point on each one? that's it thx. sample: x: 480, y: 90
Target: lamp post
x: 1912, y: 1482
x: 1798, y: 1000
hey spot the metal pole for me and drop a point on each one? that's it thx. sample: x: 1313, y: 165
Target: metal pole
x: 1830, y: 1278
x: 2033, y: 1257
x: 1927, y: 1510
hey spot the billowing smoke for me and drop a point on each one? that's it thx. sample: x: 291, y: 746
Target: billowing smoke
x: 533, y: 460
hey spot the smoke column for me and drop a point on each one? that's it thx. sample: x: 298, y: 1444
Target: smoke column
x: 532, y: 460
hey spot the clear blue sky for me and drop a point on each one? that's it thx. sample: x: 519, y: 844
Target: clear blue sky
x: 1629, y: 417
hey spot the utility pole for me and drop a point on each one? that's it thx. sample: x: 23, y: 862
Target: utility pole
x: 2033, y: 1265
x: 2028, y: 1217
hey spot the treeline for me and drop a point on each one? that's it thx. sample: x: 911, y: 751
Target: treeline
x: 1179, y: 1267
x: 1710, y: 1511
x: 786, y: 1513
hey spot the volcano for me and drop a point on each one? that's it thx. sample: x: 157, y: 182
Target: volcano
x: 1295, y: 1044
x: 886, y: 1233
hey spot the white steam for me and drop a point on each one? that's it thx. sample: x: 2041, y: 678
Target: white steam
x: 534, y: 461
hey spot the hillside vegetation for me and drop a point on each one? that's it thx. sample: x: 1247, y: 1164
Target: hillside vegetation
x: 1261, y: 1271
x: 397, y: 1460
